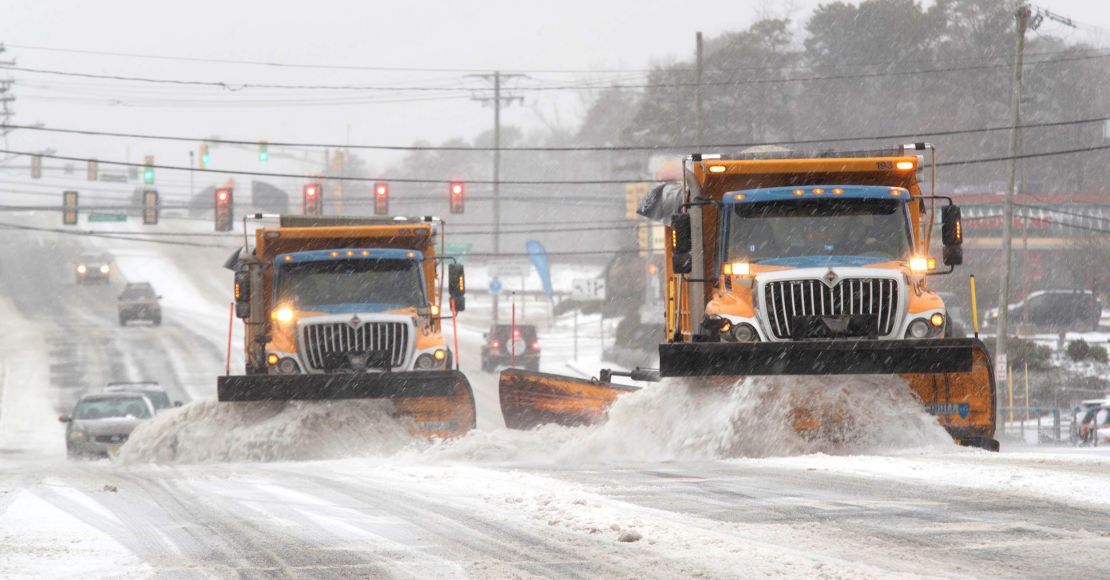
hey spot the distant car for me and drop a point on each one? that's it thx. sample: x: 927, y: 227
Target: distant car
x: 500, y: 342
x: 157, y: 395
x: 138, y: 301
x: 1055, y: 310
x: 94, y: 268
x: 102, y: 422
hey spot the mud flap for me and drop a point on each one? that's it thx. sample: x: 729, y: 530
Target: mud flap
x: 438, y: 403
x: 827, y: 357
x: 530, y: 399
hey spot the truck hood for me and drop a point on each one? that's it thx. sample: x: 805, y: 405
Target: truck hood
x: 824, y: 261
x: 354, y: 308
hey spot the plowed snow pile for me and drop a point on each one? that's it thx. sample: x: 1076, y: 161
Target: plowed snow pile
x: 208, y: 431
x: 753, y: 418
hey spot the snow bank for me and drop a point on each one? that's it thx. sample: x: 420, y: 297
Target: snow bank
x: 753, y: 418
x: 208, y: 431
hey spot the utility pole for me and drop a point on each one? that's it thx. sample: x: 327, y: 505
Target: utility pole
x: 1025, y: 19
x: 496, y: 78
x: 192, y: 163
x: 6, y: 98
x: 699, y: 97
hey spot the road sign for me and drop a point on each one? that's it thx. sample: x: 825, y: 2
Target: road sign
x: 458, y: 250
x: 586, y: 288
x: 107, y: 217
x: 114, y: 177
x: 495, y: 286
x: 508, y: 270
x: 1000, y: 377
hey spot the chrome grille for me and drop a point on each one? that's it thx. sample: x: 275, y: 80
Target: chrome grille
x: 324, y: 340
x: 787, y: 299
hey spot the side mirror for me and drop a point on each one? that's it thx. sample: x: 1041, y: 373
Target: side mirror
x: 456, y: 286
x: 65, y: 419
x: 177, y: 403
x: 242, y: 294
x: 952, y: 235
x: 681, y: 243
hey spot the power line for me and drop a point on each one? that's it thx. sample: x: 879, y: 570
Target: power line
x: 241, y: 86
x: 313, y: 145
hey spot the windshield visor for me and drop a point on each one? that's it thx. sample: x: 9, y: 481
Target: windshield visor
x: 309, y: 285
x: 770, y: 230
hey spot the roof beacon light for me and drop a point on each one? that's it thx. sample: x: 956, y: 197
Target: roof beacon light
x: 905, y: 165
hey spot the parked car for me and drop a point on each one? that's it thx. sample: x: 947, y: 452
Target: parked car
x: 500, y: 342
x: 94, y: 268
x: 149, y: 389
x: 138, y: 301
x: 102, y: 422
x: 1055, y: 310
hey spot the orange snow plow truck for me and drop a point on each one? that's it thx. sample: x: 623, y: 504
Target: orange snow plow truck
x: 348, y: 308
x: 798, y: 263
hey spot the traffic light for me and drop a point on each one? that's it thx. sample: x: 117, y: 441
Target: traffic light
x: 225, y: 212
x: 263, y: 151
x: 36, y: 166
x: 91, y: 170
x: 69, y: 203
x: 148, y: 170
x: 458, y: 193
x: 150, y: 207
x: 204, y: 156
x: 381, y: 198
x: 313, y: 199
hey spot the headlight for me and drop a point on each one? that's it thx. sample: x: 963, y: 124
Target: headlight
x: 283, y: 314
x: 104, y: 269
x: 82, y: 269
x: 937, y: 320
x: 288, y: 366
x: 425, y: 361
x: 744, y: 333
x: 918, y: 329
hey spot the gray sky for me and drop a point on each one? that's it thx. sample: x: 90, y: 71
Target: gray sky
x: 502, y: 34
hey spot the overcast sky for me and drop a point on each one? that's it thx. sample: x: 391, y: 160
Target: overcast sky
x: 597, y: 36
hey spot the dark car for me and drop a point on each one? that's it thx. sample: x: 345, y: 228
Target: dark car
x: 149, y: 389
x: 138, y: 301
x: 102, y: 422
x: 93, y: 269
x: 1054, y: 310
x: 501, y: 341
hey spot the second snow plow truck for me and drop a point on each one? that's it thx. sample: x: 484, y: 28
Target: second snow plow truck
x: 348, y: 308
x: 797, y: 263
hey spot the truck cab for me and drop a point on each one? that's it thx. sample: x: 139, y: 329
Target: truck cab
x: 353, y: 309
x: 821, y: 262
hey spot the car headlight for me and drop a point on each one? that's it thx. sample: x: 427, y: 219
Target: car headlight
x: 104, y: 269
x: 744, y: 333
x: 82, y: 269
x: 918, y: 329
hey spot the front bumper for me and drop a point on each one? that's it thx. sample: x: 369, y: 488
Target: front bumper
x: 824, y: 357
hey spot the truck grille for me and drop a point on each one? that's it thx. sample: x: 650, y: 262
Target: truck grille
x: 328, y: 345
x: 788, y: 299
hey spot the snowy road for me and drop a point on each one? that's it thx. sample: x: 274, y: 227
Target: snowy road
x: 557, y: 503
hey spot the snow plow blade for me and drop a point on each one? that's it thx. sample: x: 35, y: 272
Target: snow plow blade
x: 833, y: 357
x: 438, y: 403
x: 530, y: 399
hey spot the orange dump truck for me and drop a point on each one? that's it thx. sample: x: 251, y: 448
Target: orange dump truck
x: 348, y: 308
x: 799, y: 263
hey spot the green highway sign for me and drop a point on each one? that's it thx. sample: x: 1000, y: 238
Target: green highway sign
x: 458, y: 250
x: 107, y: 217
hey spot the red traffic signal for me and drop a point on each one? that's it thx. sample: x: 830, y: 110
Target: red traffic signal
x: 224, y: 209
x: 313, y: 199
x: 381, y: 198
x: 458, y: 193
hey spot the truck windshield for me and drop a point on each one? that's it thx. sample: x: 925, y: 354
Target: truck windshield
x: 826, y: 227
x: 331, y: 282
